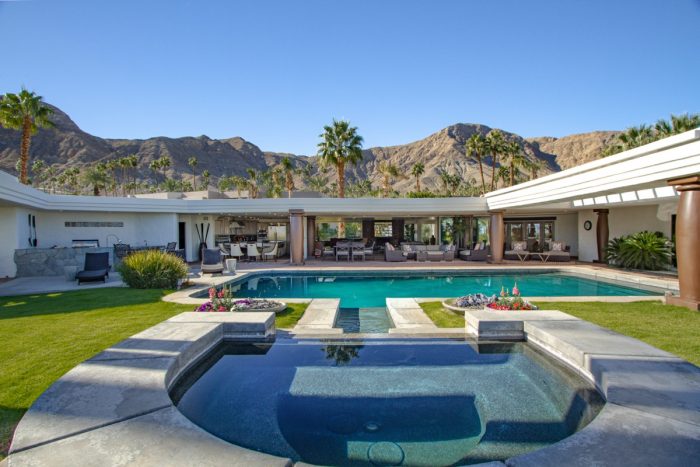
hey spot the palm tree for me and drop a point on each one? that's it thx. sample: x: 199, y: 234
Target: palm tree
x: 164, y: 162
x: 205, y: 179
x: 389, y: 172
x: 38, y: 172
x: 685, y: 122
x: 341, y: 145
x: 418, y: 170
x: 503, y: 174
x: 517, y: 159
x: 96, y: 177
x: 239, y: 182
x: 155, y: 168
x: 317, y: 183
x: 125, y: 163
x: 534, y: 166
x: 26, y: 112
x: 636, y: 136
x: 288, y: 170
x: 192, y: 162
x: 476, y: 145
x: 252, y: 183
x: 494, y: 145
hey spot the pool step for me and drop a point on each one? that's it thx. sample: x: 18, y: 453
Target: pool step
x: 407, y: 315
x: 364, y: 320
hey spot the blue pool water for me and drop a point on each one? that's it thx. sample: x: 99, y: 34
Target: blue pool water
x: 386, y: 402
x: 368, y: 290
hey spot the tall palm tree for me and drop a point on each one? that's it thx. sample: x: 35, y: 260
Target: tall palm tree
x: 494, y: 145
x: 155, y: 168
x: 341, y: 145
x: 534, y: 166
x: 317, y: 183
x: 38, y: 172
x: 192, y: 162
x: 288, y: 169
x: 389, y: 172
x: 26, y: 112
x: 516, y: 158
x: 252, y: 183
x: 418, y: 170
x: 241, y: 183
x: 636, y: 136
x: 165, y: 162
x: 476, y: 145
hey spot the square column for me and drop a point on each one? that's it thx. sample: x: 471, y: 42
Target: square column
x: 310, y: 235
x: 602, y: 231
x: 496, y: 236
x: 687, y: 246
x: 296, y: 236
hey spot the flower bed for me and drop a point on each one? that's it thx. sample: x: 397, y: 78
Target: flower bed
x: 223, y: 301
x: 506, y: 301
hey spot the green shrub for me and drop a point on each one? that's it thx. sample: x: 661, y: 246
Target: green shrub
x: 643, y: 250
x: 152, y: 269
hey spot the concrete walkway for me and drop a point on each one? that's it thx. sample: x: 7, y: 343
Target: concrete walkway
x: 49, y: 284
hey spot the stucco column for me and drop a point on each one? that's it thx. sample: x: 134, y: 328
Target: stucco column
x: 687, y: 243
x: 310, y: 235
x: 602, y: 231
x: 496, y: 236
x: 296, y: 234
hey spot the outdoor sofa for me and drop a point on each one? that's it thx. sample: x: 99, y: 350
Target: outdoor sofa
x: 391, y: 254
x: 478, y: 252
x: 435, y: 253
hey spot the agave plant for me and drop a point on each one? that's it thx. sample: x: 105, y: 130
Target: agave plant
x: 645, y: 250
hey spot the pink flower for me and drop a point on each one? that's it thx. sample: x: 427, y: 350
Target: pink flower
x: 222, y: 308
x: 212, y: 292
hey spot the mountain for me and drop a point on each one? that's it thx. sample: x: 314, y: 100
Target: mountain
x: 67, y: 145
x: 573, y: 150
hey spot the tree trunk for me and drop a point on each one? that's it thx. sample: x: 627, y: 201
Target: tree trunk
x: 512, y: 173
x: 341, y: 179
x: 95, y: 190
x: 494, y: 163
x: 24, y: 149
x: 481, y: 171
x: 417, y: 184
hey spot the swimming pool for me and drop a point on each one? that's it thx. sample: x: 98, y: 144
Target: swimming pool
x: 370, y: 289
x: 425, y: 402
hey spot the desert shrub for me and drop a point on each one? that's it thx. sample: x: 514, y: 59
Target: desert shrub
x: 643, y: 250
x: 152, y: 269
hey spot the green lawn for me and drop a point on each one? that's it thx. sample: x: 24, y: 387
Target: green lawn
x: 442, y: 317
x: 44, y: 336
x: 670, y: 328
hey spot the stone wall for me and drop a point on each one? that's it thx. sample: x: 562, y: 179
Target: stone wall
x: 50, y: 261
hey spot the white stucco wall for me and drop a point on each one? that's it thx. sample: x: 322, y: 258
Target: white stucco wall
x: 139, y: 229
x: 565, y: 230
x: 621, y: 221
x: 8, y: 241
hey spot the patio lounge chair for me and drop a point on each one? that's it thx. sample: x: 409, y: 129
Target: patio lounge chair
x: 479, y: 252
x: 170, y: 247
x: 211, y: 261
x: 358, y: 250
x: 342, y: 249
x: 96, y: 268
x: 518, y: 252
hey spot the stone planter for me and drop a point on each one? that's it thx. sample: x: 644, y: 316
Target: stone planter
x: 278, y: 309
x: 69, y: 272
x: 231, y: 264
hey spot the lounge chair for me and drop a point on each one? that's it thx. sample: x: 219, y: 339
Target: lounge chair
x: 170, y: 247
x: 478, y: 252
x: 518, y: 252
x: 358, y: 250
x: 211, y: 261
x: 96, y: 268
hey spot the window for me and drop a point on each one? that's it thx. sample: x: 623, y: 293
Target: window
x: 447, y: 230
x: 427, y: 233
x: 409, y: 232
x: 327, y: 230
x: 353, y: 229
x: 480, y: 232
x: 383, y: 229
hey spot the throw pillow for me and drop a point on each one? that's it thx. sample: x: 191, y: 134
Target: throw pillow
x: 557, y: 246
x: 390, y: 247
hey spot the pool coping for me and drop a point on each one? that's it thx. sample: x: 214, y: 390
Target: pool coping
x: 615, y: 277
x: 112, y: 402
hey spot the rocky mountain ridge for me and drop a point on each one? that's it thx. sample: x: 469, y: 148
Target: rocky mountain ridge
x: 67, y: 145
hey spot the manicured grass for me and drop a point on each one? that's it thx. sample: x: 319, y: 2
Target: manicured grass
x: 288, y: 318
x: 670, y: 328
x: 44, y: 336
x: 442, y: 317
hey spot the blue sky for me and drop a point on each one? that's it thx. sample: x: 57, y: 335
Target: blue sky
x: 274, y: 72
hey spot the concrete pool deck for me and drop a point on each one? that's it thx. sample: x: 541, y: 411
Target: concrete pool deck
x: 115, y: 408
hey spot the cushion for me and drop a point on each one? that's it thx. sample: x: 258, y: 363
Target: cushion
x: 406, y: 248
x: 519, y: 246
x: 478, y: 246
x: 390, y: 247
x: 211, y: 256
x: 557, y: 246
